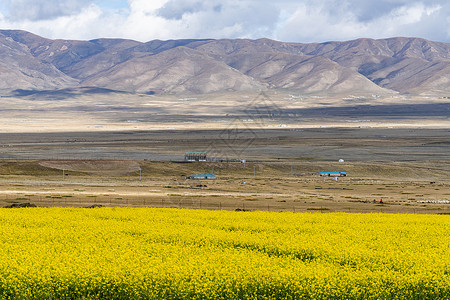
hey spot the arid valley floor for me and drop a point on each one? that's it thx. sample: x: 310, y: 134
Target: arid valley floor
x: 128, y: 150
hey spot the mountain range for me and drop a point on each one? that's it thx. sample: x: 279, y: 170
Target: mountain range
x: 365, y: 66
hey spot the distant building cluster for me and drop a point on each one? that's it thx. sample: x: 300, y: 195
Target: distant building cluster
x: 333, y: 174
x: 199, y: 176
x: 195, y: 156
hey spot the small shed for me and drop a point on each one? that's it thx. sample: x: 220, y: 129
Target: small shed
x: 199, y: 176
x: 333, y: 174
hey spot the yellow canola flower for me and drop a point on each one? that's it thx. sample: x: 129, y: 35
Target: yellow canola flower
x: 148, y: 253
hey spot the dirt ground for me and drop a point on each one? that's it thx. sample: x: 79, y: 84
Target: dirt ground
x: 350, y: 144
x: 281, y: 109
x: 126, y: 150
x: 272, y: 186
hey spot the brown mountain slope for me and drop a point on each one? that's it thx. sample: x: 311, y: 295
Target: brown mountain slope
x: 310, y: 74
x: 60, y: 53
x: 19, y: 69
x: 114, y: 53
x: 178, y: 70
x: 75, y: 58
x: 406, y: 65
x: 413, y: 75
x: 392, y: 47
x: 378, y: 60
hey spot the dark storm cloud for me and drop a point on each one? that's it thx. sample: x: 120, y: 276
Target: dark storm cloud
x: 35, y: 10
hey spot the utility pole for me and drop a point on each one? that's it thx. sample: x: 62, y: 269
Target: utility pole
x: 63, y: 173
x: 140, y: 174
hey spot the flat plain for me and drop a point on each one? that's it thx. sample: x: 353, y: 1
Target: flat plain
x: 395, y: 149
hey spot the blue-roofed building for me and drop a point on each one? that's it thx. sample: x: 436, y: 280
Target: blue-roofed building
x: 199, y: 176
x: 333, y: 174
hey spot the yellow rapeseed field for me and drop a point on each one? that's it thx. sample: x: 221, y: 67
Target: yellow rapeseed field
x: 146, y: 253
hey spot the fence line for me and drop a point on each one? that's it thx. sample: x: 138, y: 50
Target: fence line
x: 190, y: 203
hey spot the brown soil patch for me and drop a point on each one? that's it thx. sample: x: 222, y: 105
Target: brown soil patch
x: 106, y: 167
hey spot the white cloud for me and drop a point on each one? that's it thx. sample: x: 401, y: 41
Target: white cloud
x: 43, y: 9
x: 201, y: 19
x: 314, y: 23
x: 448, y: 29
x: 83, y: 25
x: 319, y: 23
x: 288, y: 20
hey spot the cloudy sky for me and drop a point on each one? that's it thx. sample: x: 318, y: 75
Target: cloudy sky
x: 285, y: 20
